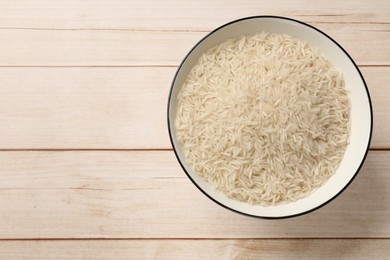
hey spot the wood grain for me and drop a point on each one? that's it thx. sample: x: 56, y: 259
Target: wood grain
x: 93, y: 74
x: 197, y: 249
x: 84, y: 107
x: 147, y: 195
x: 113, y: 108
x: 183, y: 15
x: 367, y: 44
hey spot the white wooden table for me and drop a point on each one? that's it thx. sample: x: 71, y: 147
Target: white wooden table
x: 86, y: 166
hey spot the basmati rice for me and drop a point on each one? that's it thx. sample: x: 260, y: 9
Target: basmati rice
x: 263, y: 118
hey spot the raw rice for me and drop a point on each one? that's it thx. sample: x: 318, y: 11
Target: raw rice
x: 264, y: 118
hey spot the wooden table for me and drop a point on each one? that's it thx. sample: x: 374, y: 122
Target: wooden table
x: 86, y: 166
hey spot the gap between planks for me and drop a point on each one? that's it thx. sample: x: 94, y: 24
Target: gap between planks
x: 103, y: 29
x: 113, y: 66
x: 85, y: 150
x: 136, y: 66
x: 165, y: 30
x: 192, y: 239
x: 117, y: 150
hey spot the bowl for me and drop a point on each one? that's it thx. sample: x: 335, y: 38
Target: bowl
x: 361, y: 117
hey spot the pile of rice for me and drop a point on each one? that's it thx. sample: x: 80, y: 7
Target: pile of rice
x: 264, y: 118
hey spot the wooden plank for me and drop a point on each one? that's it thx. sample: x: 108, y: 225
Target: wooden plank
x: 185, y: 15
x: 113, y: 108
x: 147, y: 195
x: 84, y: 107
x: 93, y: 48
x: 367, y: 44
x: 197, y: 249
x: 376, y: 79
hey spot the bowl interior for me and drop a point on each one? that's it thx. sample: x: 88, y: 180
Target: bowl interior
x: 361, y: 114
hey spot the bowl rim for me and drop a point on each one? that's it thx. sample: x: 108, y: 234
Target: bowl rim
x: 278, y: 18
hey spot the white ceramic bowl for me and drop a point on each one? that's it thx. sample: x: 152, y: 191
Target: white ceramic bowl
x: 361, y: 112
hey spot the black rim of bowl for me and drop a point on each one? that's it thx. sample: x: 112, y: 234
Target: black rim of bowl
x: 225, y: 206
